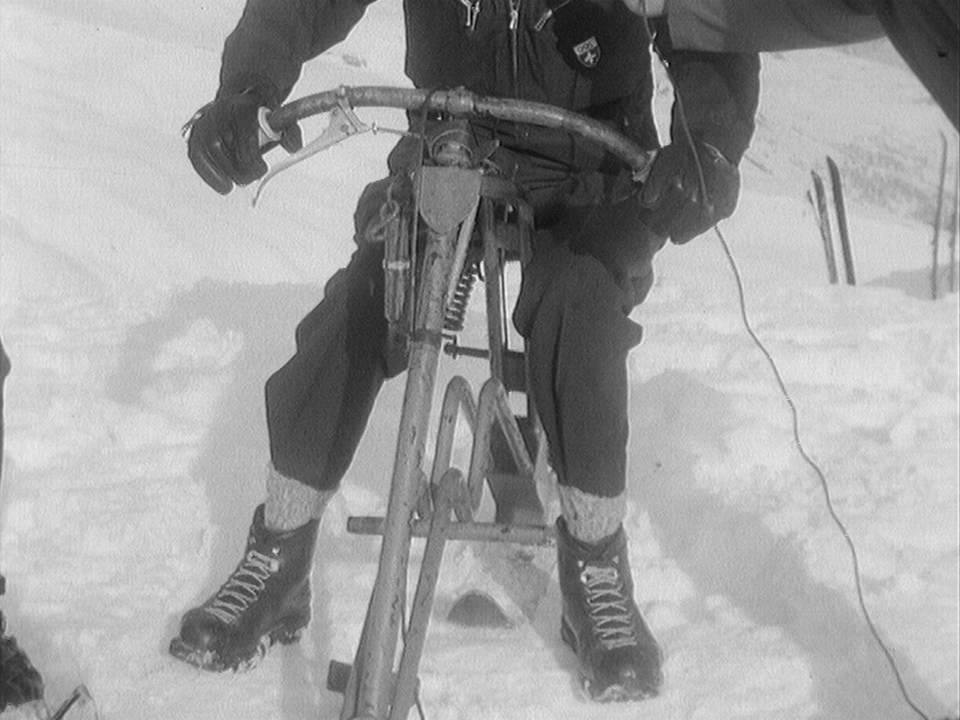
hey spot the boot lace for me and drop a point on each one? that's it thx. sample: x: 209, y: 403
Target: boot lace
x: 610, y: 608
x: 243, y: 588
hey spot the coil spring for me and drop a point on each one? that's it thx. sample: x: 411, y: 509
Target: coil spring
x: 457, y: 307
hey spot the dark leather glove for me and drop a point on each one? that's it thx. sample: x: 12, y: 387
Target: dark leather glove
x: 224, y: 141
x: 672, y: 202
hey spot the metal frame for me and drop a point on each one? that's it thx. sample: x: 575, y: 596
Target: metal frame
x: 382, y: 682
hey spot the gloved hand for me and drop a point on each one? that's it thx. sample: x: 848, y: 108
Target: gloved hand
x: 224, y: 141
x: 672, y: 203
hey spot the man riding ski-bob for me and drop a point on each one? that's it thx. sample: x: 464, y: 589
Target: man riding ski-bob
x: 596, y: 233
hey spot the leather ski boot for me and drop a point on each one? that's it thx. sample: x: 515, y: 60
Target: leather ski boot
x: 265, y: 600
x: 618, y: 656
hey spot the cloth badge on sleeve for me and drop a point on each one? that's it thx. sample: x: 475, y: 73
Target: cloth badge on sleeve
x: 588, y: 52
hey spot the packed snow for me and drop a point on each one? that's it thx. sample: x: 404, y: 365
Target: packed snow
x: 143, y: 313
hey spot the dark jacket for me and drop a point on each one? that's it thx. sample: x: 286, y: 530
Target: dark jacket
x: 590, y: 56
x: 925, y: 32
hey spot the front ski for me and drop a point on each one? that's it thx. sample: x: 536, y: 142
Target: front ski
x: 503, y: 586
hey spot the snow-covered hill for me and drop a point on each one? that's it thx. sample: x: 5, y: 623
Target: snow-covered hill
x: 143, y: 313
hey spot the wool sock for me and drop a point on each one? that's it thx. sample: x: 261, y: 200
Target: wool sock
x: 591, y: 518
x: 290, y: 503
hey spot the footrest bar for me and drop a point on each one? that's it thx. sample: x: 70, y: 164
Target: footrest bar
x: 473, y: 531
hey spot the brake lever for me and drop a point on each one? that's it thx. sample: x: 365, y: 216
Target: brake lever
x: 344, y: 123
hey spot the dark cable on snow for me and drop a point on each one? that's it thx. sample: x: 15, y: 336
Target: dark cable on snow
x: 795, y: 419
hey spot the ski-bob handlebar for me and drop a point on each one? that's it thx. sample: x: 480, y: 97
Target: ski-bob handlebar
x: 462, y: 102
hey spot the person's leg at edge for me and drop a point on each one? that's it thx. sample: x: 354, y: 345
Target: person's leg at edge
x: 21, y: 684
x: 573, y: 311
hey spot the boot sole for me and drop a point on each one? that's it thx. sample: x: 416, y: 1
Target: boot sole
x: 614, y: 693
x: 210, y: 661
x: 611, y: 693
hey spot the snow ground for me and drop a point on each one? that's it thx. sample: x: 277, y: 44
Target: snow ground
x: 143, y: 313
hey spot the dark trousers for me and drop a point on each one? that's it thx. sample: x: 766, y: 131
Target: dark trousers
x: 591, y: 265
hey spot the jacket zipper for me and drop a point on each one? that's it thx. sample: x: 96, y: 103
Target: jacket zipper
x: 552, y: 8
x: 473, y: 10
x: 514, y: 45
